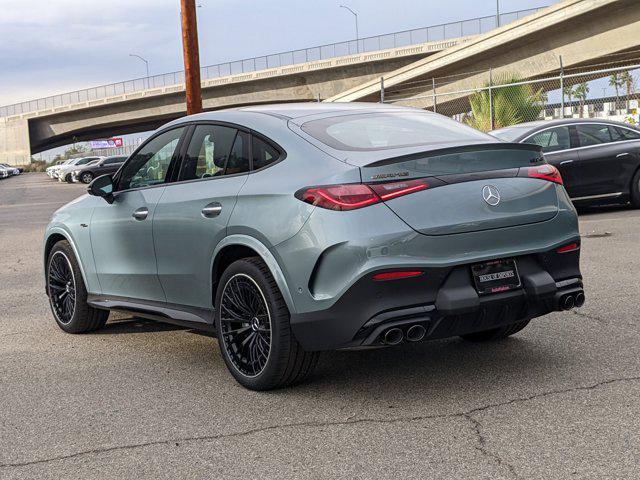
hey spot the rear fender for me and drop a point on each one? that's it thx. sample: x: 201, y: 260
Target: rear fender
x: 267, y: 257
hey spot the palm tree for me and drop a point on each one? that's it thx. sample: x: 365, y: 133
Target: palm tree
x: 627, y: 79
x: 568, y: 91
x: 511, y: 104
x: 581, y: 91
x: 615, y: 81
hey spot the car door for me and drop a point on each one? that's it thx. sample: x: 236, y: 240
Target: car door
x: 111, y: 165
x: 121, y: 232
x: 558, y: 145
x: 191, y: 217
x: 607, y: 160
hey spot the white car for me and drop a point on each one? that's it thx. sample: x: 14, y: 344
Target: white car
x: 10, y: 169
x: 52, y: 171
x: 63, y: 173
x: 4, y: 173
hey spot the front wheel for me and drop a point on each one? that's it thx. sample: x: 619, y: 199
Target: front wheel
x: 68, y: 294
x: 86, y: 177
x: 254, y: 333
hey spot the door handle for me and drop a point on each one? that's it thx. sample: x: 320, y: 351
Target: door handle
x: 622, y: 154
x: 566, y: 162
x: 212, y: 210
x: 141, y: 213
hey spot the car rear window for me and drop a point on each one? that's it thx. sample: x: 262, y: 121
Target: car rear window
x: 379, y: 131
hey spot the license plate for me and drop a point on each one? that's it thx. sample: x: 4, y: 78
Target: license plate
x: 495, y: 276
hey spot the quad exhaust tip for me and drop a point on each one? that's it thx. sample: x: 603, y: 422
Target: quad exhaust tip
x: 572, y: 300
x: 568, y: 302
x: 415, y: 333
x: 393, y: 336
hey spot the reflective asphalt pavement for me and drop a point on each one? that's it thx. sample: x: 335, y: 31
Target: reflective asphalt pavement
x: 145, y: 400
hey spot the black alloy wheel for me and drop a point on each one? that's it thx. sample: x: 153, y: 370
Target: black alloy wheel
x: 68, y: 293
x: 254, y: 331
x: 245, y: 325
x: 62, y: 287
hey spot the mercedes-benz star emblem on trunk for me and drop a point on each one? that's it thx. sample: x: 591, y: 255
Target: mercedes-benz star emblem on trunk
x: 491, y: 195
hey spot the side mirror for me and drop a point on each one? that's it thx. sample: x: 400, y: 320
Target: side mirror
x: 102, y: 187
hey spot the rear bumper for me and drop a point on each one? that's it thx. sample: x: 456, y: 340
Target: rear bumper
x: 443, y: 301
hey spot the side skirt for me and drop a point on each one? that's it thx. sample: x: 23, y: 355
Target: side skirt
x: 190, y: 317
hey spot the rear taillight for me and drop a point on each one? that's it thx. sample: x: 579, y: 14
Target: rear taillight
x: 358, y: 195
x: 543, y: 172
x: 339, y: 197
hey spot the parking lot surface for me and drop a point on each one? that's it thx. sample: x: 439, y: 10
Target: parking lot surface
x: 147, y: 400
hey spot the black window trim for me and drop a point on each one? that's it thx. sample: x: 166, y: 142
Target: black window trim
x: 176, y: 158
x: 187, y: 139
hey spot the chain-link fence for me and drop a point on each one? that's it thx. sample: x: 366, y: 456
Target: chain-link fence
x: 488, y: 100
x: 404, y: 38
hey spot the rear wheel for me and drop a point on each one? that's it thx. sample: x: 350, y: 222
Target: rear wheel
x: 86, y: 177
x: 495, y: 333
x: 68, y: 294
x: 635, y: 190
x: 254, y: 333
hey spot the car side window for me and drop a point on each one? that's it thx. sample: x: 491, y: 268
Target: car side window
x: 238, y: 161
x: 151, y: 164
x: 263, y: 153
x: 552, y: 139
x: 626, y: 134
x: 593, y: 134
x: 215, y: 150
x: 110, y: 161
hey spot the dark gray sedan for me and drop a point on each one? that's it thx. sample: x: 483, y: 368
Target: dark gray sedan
x: 599, y: 159
x: 106, y: 166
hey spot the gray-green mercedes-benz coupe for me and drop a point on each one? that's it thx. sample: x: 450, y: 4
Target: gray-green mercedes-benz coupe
x: 296, y: 228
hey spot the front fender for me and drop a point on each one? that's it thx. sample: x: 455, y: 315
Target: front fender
x: 87, y: 269
x: 267, y: 257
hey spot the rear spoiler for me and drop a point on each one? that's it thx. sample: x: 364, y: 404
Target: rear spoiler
x: 461, y: 149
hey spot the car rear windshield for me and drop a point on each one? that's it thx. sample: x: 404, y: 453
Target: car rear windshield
x: 378, y: 131
x: 509, y: 134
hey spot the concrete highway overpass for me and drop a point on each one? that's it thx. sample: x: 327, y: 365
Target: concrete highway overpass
x: 42, y: 129
x: 582, y: 31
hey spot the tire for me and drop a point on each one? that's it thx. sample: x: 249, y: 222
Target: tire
x: 70, y: 309
x: 249, y: 304
x: 86, y: 177
x: 68, y: 179
x: 495, y: 333
x: 635, y: 190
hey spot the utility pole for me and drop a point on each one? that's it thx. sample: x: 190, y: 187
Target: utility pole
x: 191, y: 56
x: 497, y: 13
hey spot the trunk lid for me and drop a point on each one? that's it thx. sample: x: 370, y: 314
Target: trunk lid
x: 459, y: 179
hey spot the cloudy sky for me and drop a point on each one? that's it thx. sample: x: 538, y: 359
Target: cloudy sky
x: 53, y: 46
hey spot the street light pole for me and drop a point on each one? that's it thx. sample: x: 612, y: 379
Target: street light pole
x: 191, y: 56
x: 357, y: 34
x: 146, y: 63
x: 497, y: 13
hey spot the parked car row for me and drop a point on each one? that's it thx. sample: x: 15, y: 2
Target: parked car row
x: 7, y: 170
x: 85, y: 169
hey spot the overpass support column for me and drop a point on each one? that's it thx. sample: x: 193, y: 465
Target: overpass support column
x: 15, y: 148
